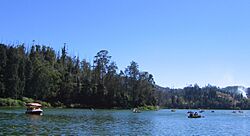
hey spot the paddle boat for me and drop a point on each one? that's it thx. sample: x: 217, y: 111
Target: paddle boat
x: 136, y: 110
x: 194, y: 115
x: 34, y: 108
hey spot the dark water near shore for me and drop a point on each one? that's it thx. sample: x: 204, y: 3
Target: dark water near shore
x: 13, y: 121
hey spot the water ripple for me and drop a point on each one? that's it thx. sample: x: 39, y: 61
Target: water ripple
x: 123, y: 122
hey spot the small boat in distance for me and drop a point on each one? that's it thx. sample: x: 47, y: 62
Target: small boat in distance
x: 136, y: 110
x: 194, y: 115
x: 201, y: 111
x: 240, y: 111
x: 173, y: 110
x: 34, y: 108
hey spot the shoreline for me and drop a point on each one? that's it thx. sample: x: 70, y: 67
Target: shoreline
x: 9, y: 102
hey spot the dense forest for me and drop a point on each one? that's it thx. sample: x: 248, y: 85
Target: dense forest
x: 43, y: 74
x: 60, y: 79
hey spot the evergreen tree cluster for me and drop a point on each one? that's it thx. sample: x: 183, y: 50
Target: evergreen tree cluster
x: 41, y: 74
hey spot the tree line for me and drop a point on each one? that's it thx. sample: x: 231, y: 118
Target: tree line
x: 42, y: 74
x: 208, y: 97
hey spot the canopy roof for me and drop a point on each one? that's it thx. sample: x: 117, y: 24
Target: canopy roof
x: 34, y: 104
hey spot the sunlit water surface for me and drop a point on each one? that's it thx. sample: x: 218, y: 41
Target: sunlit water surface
x: 13, y: 121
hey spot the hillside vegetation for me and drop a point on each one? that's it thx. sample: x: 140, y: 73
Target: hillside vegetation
x: 62, y: 80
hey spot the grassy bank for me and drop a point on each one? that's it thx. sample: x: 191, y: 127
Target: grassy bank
x: 9, y: 102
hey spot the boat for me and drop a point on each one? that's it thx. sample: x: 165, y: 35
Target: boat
x: 194, y: 115
x: 136, y: 110
x: 201, y: 111
x: 173, y: 110
x: 240, y: 111
x: 197, y: 116
x: 34, y: 108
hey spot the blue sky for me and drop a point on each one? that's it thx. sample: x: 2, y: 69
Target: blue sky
x: 180, y: 42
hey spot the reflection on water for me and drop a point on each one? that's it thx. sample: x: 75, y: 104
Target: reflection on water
x: 123, y: 122
x: 34, y: 117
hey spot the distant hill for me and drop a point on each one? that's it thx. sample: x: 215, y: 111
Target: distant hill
x: 245, y: 92
x: 208, y: 97
x: 238, y: 90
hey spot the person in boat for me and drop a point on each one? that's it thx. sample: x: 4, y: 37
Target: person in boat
x: 191, y: 114
x: 195, y: 114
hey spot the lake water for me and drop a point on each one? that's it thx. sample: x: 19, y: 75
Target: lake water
x: 122, y: 122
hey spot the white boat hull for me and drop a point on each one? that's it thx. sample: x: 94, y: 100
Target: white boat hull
x: 35, y: 112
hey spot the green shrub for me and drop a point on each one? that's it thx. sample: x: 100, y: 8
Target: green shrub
x: 27, y: 100
x: 44, y: 104
x: 19, y: 103
x: 11, y: 102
